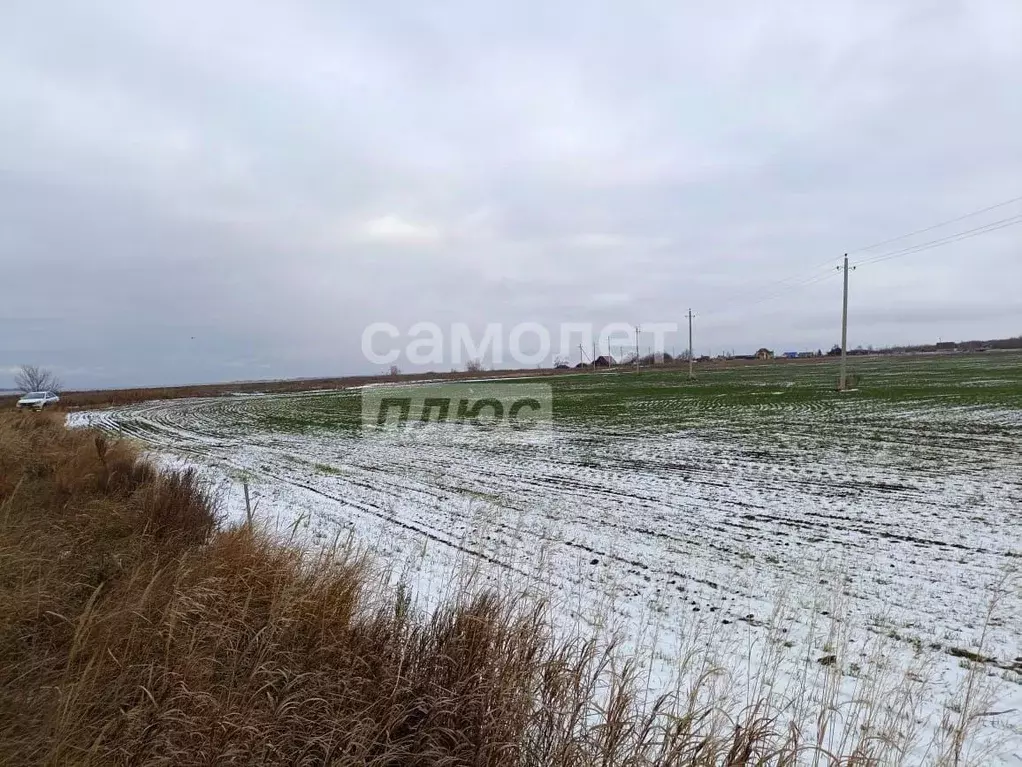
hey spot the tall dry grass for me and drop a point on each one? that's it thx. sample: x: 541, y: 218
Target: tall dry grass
x: 134, y: 630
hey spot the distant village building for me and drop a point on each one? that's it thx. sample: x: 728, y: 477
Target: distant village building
x: 604, y: 361
x: 947, y: 346
x: 764, y: 354
x: 791, y: 355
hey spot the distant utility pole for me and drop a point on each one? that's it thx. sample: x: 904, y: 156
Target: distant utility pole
x: 691, y: 373
x: 637, y: 329
x: 844, y: 329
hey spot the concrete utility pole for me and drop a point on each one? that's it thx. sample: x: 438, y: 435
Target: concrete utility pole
x: 691, y: 373
x: 844, y: 330
x: 637, y: 329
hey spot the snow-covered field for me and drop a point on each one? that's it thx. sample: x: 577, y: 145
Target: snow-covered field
x: 754, y: 515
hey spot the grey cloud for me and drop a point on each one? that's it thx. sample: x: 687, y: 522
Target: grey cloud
x: 199, y: 192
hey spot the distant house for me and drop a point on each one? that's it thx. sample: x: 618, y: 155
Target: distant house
x: 947, y: 346
x: 764, y: 354
x: 582, y: 365
x: 791, y: 355
x: 604, y: 361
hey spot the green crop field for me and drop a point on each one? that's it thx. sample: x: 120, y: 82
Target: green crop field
x: 752, y: 396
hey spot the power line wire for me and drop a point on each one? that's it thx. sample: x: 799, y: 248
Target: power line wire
x: 804, y: 283
x: 935, y: 226
x: 951, y: 238
x: 920, y: 247
x: 801, y: 276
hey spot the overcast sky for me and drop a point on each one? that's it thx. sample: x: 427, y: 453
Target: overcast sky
x: 197, y: 191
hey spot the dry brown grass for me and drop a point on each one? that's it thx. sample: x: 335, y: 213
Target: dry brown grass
x: 134, y: 631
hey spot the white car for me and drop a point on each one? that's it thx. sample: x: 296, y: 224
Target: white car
x: 38, y: 400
